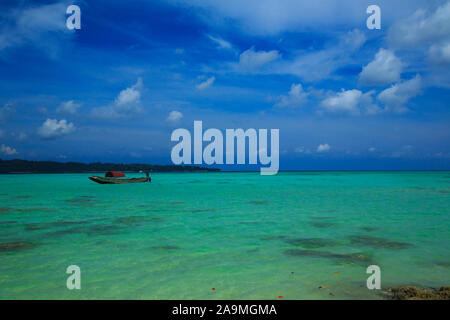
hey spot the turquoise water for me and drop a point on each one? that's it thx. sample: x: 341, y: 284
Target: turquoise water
x: 248, y: 236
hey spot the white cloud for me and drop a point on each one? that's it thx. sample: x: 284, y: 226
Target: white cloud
x: 398, y: 94
x: 323, y: 147
x: 271, y: 17
x: 174, y: 116
x: 221, y: 44
x: 127, y: 103
x: 41, y: 26
x: 22, y: 136
x: 206, y: 84
x: 371, y: 149
x: 422, y: 28
x: 320, y: 64
x: 130, y: 95
x: 8, y: 150
x: 6, y: 110
x: 299, y: 150
x: 440, y: 53
x: 343, y: 102
x: 69, y: 107
x: 179, y: 51
x: 53, y: 128
x: 295, y: 98
x: 384, y: 69
x: 251, y: 60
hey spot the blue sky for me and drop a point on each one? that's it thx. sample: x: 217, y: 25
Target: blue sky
x: 342, y: 96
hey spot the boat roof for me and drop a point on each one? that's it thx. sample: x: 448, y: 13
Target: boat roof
x: 114, y: 174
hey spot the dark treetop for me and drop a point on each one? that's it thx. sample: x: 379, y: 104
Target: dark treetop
x: 25, y: 166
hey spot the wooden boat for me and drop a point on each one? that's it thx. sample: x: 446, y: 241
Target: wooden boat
x: 117, y: 177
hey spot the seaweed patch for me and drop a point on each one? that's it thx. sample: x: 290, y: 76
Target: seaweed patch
x: 203, y: 210
x: 323, y: 224
x: 33, y: 227
x: 22, y: 197
x: 312, y: 242
x: 82, y: 201
x: 445, y: 264
x: 258, y: 202
x: 280, y: 237
x: 166, y: 247
x: 16, y: 246
x: 369, y: 229
x: 376, y: 242
x: 351, y: 258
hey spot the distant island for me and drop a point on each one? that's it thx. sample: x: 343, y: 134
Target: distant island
x: 25, y: 166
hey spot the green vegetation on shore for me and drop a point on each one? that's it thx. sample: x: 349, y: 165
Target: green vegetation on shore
x: 25, y: 166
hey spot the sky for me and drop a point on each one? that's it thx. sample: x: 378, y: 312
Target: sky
x: 344, y: 97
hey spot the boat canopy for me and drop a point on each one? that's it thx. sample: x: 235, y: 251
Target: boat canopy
x: 114, y: 174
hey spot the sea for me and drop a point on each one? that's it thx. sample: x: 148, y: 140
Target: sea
x: 224, y: 235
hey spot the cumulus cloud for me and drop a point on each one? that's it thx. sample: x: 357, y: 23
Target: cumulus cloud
x: 8, y: 150
x: 384, y: 69
x: 426, y: 30
x: 174, y: 116
x: 130, y: 95
x: 69, y: 107
x: 295, y: 98
x: 206, y: 84
x: 346, y: 101
x: 352, y: 102
x: 398, y: 94
x: 127, y: 103
x: 251, y: 60
x: 424, y: 27
x: 323, y: 147
x: 53, y: 128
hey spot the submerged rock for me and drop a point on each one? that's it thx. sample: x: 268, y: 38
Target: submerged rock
x: 351, y: 258
x: 16, y: 246
x: 376, y: 242
x: 414, y: 293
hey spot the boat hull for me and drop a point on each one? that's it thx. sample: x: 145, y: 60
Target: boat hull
x: 104, y: 180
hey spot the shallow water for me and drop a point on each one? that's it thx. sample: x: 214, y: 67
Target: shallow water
x: 248, y: 236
